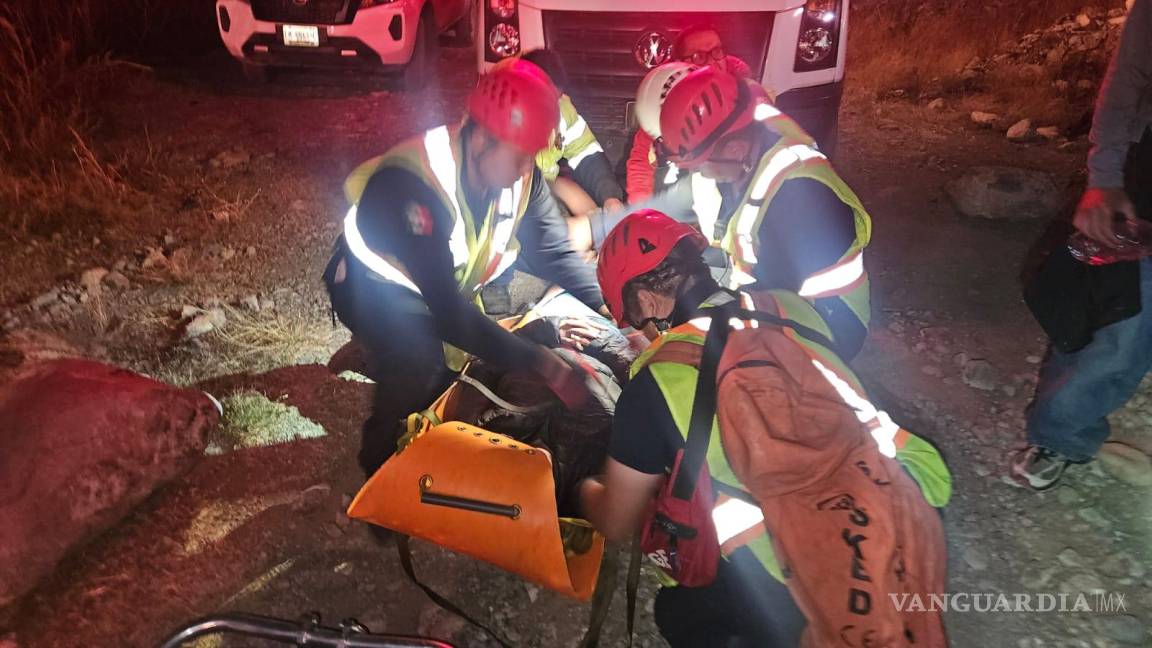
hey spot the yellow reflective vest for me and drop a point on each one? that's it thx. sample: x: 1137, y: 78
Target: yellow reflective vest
x: 481, y: 249
x: 573, y: 140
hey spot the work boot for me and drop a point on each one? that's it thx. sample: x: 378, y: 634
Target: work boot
x: 1038, y: 468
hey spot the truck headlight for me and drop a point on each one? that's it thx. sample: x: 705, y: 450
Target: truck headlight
x: 819, y: 37
x: 504, y: 40
x: 504, y: 9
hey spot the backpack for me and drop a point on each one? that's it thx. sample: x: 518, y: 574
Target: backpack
x: 849, y: 527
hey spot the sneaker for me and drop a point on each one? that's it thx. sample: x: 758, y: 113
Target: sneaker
x: 1038, y: 468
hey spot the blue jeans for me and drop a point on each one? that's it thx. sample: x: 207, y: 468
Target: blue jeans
x: 1077, y: 391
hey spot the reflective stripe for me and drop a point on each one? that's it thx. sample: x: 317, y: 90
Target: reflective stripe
x: 591, y: 149
x: 438, y: 146
x: 883, y: 429
x: 733, y: 517
x: 370, y: 259
x: 706, y: 202
x: 835, y: 279
x: 672, y: 175
x: 765, y: 111
x: 573, y: 131
x: 745, y: 223
x: 782, y: 161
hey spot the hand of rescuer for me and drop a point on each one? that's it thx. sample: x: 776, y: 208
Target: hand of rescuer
x: 1098, y: 212
x: 567, y: 381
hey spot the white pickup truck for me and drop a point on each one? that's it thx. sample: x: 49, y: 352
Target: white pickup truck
x: 795, y: 47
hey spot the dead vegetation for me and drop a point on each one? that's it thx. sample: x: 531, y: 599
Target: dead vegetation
x: 920, y: 50
x: 273, y: 339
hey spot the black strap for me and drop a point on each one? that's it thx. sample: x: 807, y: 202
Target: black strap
x: 405, y: 552
x: 703, y: 404
x: 633, y: 585
x: 602, y: 598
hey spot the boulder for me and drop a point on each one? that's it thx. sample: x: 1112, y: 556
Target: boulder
x: 1021, y: 131
x: 1005, y: 193
x: 82, y: 444
x: 1127, y: 464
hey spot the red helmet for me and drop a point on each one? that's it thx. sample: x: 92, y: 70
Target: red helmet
x: 518, y: 104
x: 639, y: 243
x: 707, y: 105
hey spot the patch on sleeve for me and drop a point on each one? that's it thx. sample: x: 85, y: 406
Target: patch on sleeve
x: 419, y: 219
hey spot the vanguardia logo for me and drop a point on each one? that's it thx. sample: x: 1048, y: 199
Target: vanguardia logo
x: 988, y: 602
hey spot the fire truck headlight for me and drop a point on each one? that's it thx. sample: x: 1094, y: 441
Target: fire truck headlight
x: 815, y: 45
x: 504, y: 40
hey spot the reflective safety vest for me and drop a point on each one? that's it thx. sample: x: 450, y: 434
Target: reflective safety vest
x: 481, y: 249
x: 573, y: 141
x: 795, y: 156
x: 738, y: 519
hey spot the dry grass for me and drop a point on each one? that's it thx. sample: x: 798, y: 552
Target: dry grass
x: 273, y: 339
x: 919, y: 48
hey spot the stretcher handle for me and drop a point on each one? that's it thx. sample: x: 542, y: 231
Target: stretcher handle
x: 511, y: 511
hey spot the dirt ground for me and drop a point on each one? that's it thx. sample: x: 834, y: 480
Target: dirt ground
x: 239, y: 189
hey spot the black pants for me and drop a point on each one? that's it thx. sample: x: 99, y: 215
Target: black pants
x: 743, y: 607
x: 406, y: 354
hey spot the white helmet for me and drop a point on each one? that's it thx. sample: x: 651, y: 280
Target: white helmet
x: 654, y: 89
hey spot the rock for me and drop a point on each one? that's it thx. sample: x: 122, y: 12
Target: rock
x: 46, y: 299
x: 980, y: 374
x: 114, y: 438
x: 154, y: 258
x: 217, y: 317
x: 298, y: 205
x: 1049, y: 133
x: 1005, y: 193
x: 1033, y: 359
x: 312, y: 497
x: 936, y: 104
x: 227, y: 254
x: 169, y: 240
x: 198, y: 325
x: 1070, y: 558
x: 984, y: 118
x: 1061, y: 85
x: 250, y: 302
x: 976, y: 558
x: 250, y: 250
x: 1021, y: 131
x: 931, y: 370
x: 1083, y: 20
x: 1067, y: 495
x: 188, y: 310
x: 117, y: 280
x: 1126, y: 464
x: 533, y: 592
x: 1093, y: 516
x: 982, y: 470
x: 345, y: 569
x: 90, y: 279
x: 1083, y: 583
x: 1125, y: 628
x: 229, y: 159
x: 1123, y: 565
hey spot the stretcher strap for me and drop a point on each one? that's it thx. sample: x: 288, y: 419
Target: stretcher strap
x: 405, y: 552
x: 601, y: 599
x: 500, y: 402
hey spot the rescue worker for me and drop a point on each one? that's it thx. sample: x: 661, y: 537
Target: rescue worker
x: 813, y: 450
x: 787, y: 220
x: 432, y: 221
x: 697, y: 45
x: 588, y: 182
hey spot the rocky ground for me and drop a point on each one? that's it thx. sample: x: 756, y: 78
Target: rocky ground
x: 210, y: 275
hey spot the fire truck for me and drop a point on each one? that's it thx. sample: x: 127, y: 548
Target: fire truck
x: 794, y: 47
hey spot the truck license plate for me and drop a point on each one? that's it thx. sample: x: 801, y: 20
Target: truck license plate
x: 301, y: 36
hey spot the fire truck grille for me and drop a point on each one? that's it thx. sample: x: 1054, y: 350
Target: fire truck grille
x: 598, y: 50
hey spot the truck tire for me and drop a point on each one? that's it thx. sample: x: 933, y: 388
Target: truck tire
x: 464, y: 32
x: 423, y: 61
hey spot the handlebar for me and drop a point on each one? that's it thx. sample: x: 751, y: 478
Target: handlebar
x: 308, y: 633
